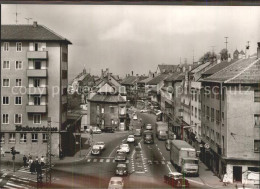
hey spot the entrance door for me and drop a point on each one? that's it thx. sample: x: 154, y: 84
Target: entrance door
x: 237, y: 173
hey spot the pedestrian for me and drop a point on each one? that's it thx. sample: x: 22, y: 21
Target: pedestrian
x: 30, y: 162
x: 38, y: 167
x: 225, y: 179
x: 32, y: 167
x: 24, y: 160
x: 61, y: 154
x: 42, y: 161
x: 29, y: 156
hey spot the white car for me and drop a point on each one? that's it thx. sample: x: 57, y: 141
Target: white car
x: 144, y: 111
x: 101, y: 145
x: 130, y: 138
x: 149, y: 126
x: 116, y: 183
x: 96, y: 130
x: 124, y: 148
x: 96, y: 150
x: 135, y: 117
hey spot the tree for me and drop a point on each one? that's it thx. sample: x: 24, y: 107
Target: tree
x: 224, y: 54
x: 208, y: 56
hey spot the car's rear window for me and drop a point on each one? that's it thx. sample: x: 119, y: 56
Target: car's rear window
x: 116, y: 182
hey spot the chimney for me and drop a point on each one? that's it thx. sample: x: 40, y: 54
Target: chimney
x: 35, y: 24
x: 258, y: 50
x: 132, y: 73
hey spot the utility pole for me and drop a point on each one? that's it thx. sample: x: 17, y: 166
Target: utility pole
x: 48, y: 155
x: 247, y: 48
x: 16, y: 15
x: 226, y: 42
x: 28, y: 20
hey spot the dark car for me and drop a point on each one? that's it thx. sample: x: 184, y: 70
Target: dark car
x: 121, y: 156
x: 176, y: 180
x: 108, y: 130
x: 121, y: 169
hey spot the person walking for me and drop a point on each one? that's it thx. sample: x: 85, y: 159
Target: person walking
x: 24, y: 160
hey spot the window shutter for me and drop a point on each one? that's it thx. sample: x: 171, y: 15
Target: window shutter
x: 31, y: 47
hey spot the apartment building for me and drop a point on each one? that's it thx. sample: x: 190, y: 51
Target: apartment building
x: 34, y: 77
x: 230, y: 120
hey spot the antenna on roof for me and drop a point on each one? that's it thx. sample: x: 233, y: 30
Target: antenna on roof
x: 247, y: 48
x: 16, y: 15
x: 226, y: 42
x: 28, y: 20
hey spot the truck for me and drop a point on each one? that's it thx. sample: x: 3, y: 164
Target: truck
x: 161, y: 129
x: 183, y: 157
x: 148, y: 137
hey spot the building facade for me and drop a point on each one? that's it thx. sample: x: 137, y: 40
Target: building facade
x: 34, y: 79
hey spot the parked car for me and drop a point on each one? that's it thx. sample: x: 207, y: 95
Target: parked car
x: 102, y: 145
x: 124, y: 148
x: 176, y: 180
x: 143, y: 111
x: 108, y: 130
x: 96, y: 130
x: 130, y: 139
x: 121, y: 169
x: 149, y: 127
x: 96, y: 150
x: 116, y: 183
x: 120, y: 156
x: 168, y: 144
x: 138, y: 132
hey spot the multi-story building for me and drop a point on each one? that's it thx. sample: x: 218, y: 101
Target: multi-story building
x: 34, y: 77
x: 230, y: 120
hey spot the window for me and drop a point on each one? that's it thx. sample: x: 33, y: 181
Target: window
x: 98, y: 109
x: 217, y: 116
x: 18, y: 65
x: 37, y: 65
x: 2, y: 138
x: 5, y: 119
x: 36, y: 82
x: 196, y: 96
x: 6, y: 82
x: 37, y: 118
x: 207, y: 113
x: 102, y: 110
x: 19, y: 47
x: 18, y: 100
x: 112, y: 122
x: 257, y: 120
x: 222, y: 116
x: 23, y: 138
x: 37, y: 100
x: 64, y: 57
x: 6, y: 46
x: 212, y: 114
x: 44, y: 137
x: 191, y: 110
x: 34, y: 137
x: 199, y: 114
x: 257, y: 95
x: 112, y: 110
x: 203, y: 110
x: 256, y: 145
x: 36, y: 46
x: 5, y: 100
x: 6, y: 64
x: 212, y: 94
x: 199, y: 97
x: 196, y: 112
x: 65, y: 91
x: 18, y: 82
x: 18, y: 118
x: 64, y: 74
x: 11, y: 137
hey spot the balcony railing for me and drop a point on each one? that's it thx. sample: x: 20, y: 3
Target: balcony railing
x: 36, y: 108
x: 37, y: 54
x: 37, y: 73
x: 36, y: 90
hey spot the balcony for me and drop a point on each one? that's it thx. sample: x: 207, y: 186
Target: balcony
x: 37, y: 54
x: 36, y: 108
x: 36, y: 90
x: 36, y: 73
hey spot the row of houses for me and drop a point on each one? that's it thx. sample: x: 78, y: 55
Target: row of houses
x: 215, y: 107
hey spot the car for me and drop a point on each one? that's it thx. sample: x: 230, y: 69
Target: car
x: 116, y: 183
x: 108, y: 130
x: 120, y: 156
x: 176, y: 180
x: 149, y: 127
x: 143, y: 111
x: 130, y: 139
x: 102, y: 145
x: 138, y: 132
x: 121, y: 169
x: 168, y: 144
x: 96, y: 130
x: 124, y: 148
x: 135, y: 117
x: 96, y: 150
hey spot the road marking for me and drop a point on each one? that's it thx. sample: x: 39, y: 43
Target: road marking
x: 19, y: 180
x: 95, y: 160
x: 101, y: 160
x: 112, y: 151
x: 163, y: 158
x: 114, y: 161
x: 169, y: 162
x: 9, y: 187
x: 127, y: 161
x: 4, y: 175
x: 195, y: 181
x: 88, y: 160
x: 10, y: 184
x: 163, y: 162
x: 108, y: 160
x: 140, y: 172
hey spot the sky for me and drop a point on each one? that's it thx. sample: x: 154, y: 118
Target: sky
x: 137, y: 38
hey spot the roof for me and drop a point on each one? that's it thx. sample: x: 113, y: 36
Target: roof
x: 129, y: 80
x: 200, y: 67
x: 29, y: 33
x: 107, y: 98
x: 157, y: 79
x: 236, y: 52
x: 166, y: 68
x: 242, y: 71
x: 145, y: 80
x: 172, y: 76
x: 218, y: 67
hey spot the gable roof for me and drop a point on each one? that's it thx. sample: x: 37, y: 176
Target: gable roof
x: 172, y: 76
x: 166, y: 68
x: 242, y: 71
x: 145, y: 80
x: 129, y: 80
x: 200, y: 67
x: 157, y: 79
x: 106, y: 88
x: 30, y: 33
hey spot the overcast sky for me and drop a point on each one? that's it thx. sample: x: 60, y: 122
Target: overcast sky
x: 138, y: 38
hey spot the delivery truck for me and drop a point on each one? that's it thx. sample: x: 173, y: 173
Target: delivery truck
x: 183, y: 157
x: 161, y: 129
x: 148, y: 137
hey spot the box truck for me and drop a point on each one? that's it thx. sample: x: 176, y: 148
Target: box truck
x: 161, y: 129
x: 183, y: 157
